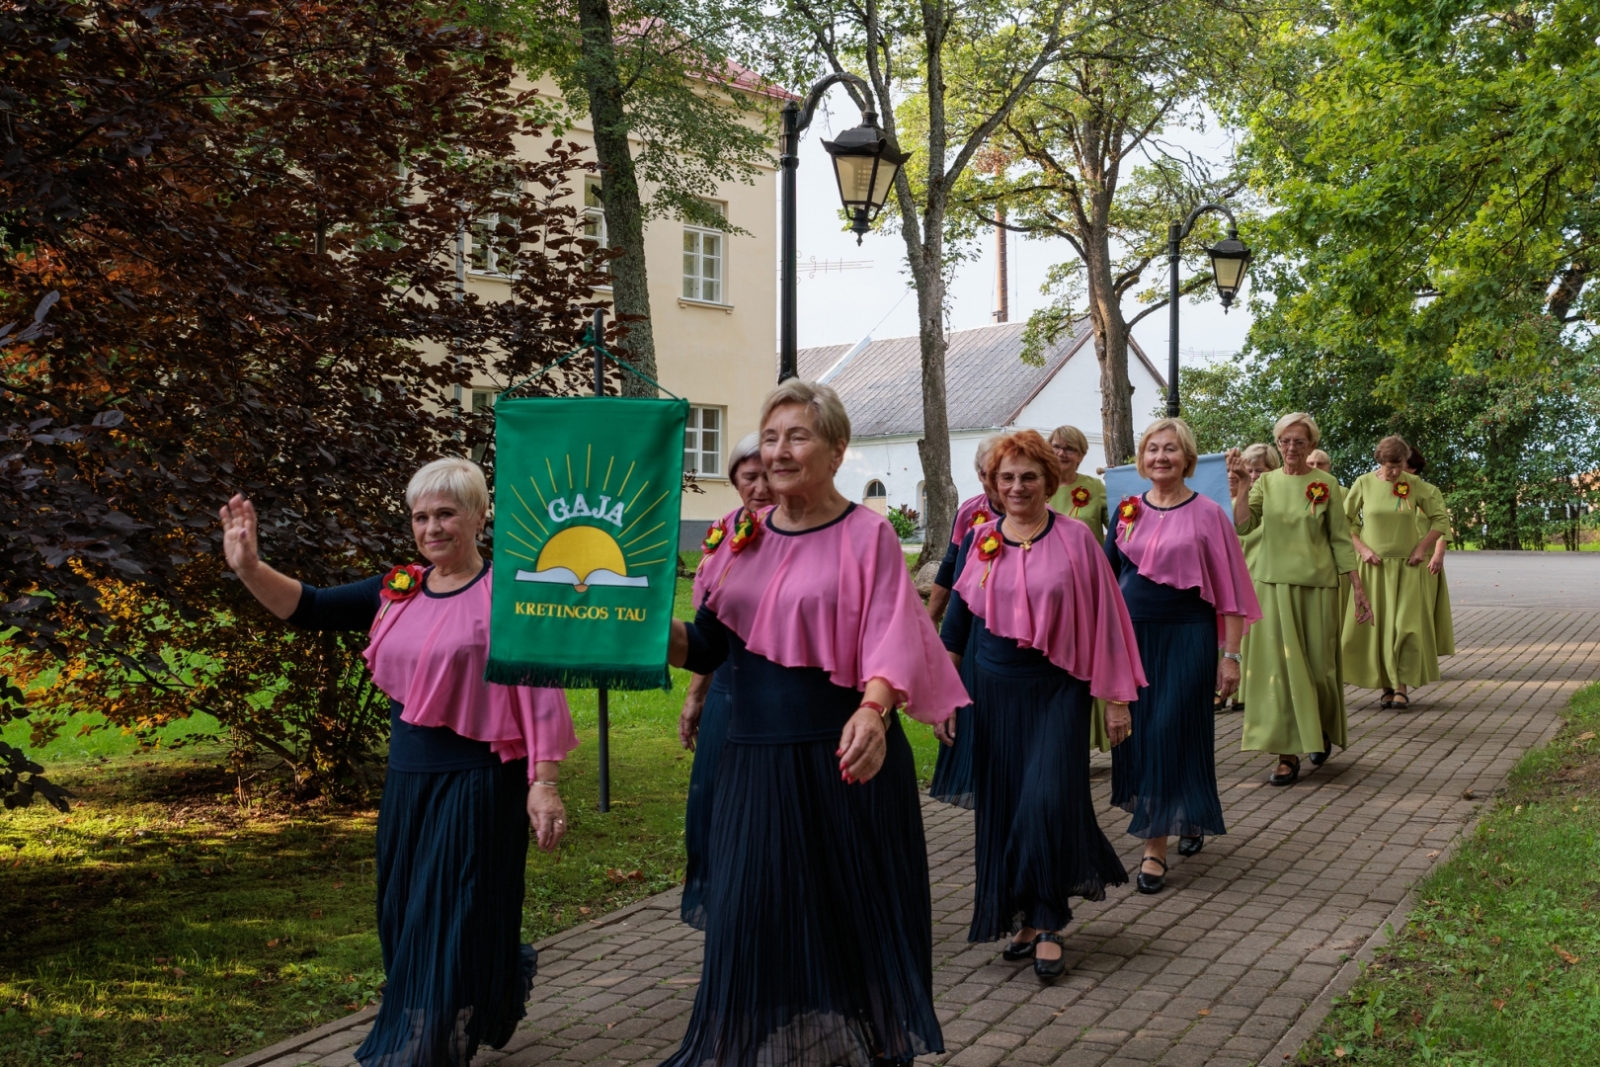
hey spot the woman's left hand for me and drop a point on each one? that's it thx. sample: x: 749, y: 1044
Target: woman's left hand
x: 1363, y: 608
x: 863, y: 745
x: 548, y: 816
x: 1417, y: 557
x: 1119, y: 722
x: 1227, y: 677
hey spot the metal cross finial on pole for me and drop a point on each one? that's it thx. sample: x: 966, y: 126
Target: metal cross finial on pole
x: 602, y: 695
x: 1229, y: 260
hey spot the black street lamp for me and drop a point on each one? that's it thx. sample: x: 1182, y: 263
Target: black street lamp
x: 1229, y: 260
x: 865, y: 167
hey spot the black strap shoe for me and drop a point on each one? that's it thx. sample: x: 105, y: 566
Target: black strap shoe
x: 1188, y: 846
x: 1151, y: 883
x: 1319, y: 758
x: 1019, y: 950
x: 1279, y: 778
x: 1050, y: 970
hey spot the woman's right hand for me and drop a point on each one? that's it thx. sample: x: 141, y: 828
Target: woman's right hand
x: 239, y: 545
x: 689, y: 718
x: 1368, y: 556
x: 946, y: 731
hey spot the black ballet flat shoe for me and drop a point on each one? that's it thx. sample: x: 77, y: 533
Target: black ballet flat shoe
x: 1286, y: 779
x: 1189, y: 846
x: 1400, y: 702
x: 1019, y: 950
x: 1151, y: 883
x: 1387, y: 699
x: 1050, y: 970
x: 1319, y: 758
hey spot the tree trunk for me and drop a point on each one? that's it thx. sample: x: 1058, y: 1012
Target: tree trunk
x: 1111, y: 349
x: 619, y: 191
x: 934, y: 447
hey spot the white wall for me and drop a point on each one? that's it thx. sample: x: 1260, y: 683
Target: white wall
x: 1072, y: 398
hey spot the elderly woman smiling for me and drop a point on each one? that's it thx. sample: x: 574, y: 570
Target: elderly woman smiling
x: 819, y: 920
x: 457, y: 801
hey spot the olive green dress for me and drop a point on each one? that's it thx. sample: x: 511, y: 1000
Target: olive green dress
x: 1399, y: 647
x: 1093, y: 514
x: 1293, y: 692
x: 1444, y: 625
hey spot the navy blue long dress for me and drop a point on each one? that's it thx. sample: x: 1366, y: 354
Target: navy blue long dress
x: 452, y: 856
x: 1165, y: 773
x: 1037, y: 841
x: 818, y: 915
x: 952, y: 769
x: 708, y: 742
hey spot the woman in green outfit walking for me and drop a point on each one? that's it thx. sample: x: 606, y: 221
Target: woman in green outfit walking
x: 1082, y: 497
x: 1384, y: 508
x: 1293, y: 694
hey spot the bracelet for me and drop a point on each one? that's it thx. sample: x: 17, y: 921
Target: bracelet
x: 882, y: 711
x: 1235, y: 656
x: 547, y: 785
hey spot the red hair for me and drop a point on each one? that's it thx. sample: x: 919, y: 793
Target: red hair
x: 1029, y: 447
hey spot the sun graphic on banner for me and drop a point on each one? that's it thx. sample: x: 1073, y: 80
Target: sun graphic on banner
x: 586, y: 536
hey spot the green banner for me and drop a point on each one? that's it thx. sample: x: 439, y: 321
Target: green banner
x: 585, y: 540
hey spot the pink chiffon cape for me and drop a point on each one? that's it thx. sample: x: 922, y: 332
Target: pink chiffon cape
x: 1192, y: 547
x: 967, y: 513
x: 838, y: 598
x: 429, y: 654
x: 1060, y: 597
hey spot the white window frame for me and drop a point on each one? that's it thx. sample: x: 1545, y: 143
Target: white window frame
x: 695, y: 281
x: 595, y: 213
x: 868, y: 494
x: 487, y: 224
x: 694, y: 439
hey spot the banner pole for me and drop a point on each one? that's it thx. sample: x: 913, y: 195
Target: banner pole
x: 602, y: 696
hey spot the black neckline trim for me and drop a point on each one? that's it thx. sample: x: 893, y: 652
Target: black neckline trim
x: 775, y: 528
x: 1145, y: 496
x: 1050, y: 524
x: 431, y: 595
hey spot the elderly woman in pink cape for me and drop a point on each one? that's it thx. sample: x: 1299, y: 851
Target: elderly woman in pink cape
x: 470, y: 766
x: 1188, y: 591
x: 1037, y: 612
x: 819, y: 923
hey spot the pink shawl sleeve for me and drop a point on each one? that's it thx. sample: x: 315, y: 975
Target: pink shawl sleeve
x: 969, y: 510
x: 1059, y: 597
x: 1193, y: 547
x: 840, y: 599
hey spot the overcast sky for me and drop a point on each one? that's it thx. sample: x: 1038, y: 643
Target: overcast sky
x: 873, y: 296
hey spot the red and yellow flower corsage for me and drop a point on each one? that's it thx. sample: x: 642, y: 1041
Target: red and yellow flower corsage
x: 714, y: 537
x: 979, y: 517
x: 1316, y: 493
x: 402, y: 583
x: 1402, y: 492
x: 745, y: 531
x: 989, y: 547
x: 1127, y: 512
x: 1081, y: 497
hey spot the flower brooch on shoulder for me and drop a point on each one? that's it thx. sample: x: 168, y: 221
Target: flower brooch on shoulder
x: 402, y: 582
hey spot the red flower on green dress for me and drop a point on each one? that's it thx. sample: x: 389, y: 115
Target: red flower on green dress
x: 1127, y: 512
x: 745, y: 531
x: 1080, y: 498
x: 402, y: 582
x: 1316, y: 493
x: 714, y: 537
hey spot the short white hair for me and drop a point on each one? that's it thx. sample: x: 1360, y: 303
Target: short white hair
x: 456, y: 477
x: 985, y: 446
x: 1280, y: 427
x: 827, y: 410
x: 749, y: 447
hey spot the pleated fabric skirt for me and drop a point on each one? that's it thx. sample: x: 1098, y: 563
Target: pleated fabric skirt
x: 1293, y: 689
x: 1037, y: 842
x: 713, y: 734
x: 952, y: 770
x: 1165, y: 773
x: 452, y: 855
x: 819, y: 921
x: 1400, y: 647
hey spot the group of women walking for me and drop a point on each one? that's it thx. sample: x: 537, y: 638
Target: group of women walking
x: 1062, y: 618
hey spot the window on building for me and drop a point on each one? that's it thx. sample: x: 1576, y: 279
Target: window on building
x: 495, y: 244
x: 479, y: 401
x: 594, y: 222
x: 877, y: 497
x: 875, y: 489
x: 703, y: 267
x: 702, y: 442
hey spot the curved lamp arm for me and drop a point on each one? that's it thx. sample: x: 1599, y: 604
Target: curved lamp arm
x: 1188, y: 223
x: 797, y: 117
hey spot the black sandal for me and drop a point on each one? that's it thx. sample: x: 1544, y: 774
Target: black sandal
x: 1049, y: 970
x: 1279, y: 778
x: 1401, y: 702
x: 1388, y: 699
x: 1019, y: 950
x: 1151, y: 883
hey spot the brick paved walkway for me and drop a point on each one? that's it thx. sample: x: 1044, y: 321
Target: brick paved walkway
x: 1234, y: 964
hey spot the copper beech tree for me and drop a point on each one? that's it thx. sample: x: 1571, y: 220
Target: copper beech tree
x: 249, y: 217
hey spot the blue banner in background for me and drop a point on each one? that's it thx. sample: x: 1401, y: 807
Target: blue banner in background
x: 1210, y: 479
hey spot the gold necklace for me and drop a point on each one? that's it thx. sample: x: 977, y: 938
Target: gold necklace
x: 1027, y: 542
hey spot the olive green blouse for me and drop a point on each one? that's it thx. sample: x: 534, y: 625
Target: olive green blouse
x: 1387, y: 515
x: 1305, y: 539
x: 1091, y: 512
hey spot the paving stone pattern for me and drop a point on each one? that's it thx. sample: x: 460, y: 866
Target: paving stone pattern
x: 1216, y: 970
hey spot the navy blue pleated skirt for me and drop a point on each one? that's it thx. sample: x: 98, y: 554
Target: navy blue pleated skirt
x: 712, y: 735
x: 1037, y: 842
x: 819, y: 921
x: 452, y: 858
x: 952, y: 771
x: 1165, y: 774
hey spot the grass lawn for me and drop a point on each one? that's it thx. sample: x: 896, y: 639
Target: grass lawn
x: 1500, y: 963
x: 161, y: 923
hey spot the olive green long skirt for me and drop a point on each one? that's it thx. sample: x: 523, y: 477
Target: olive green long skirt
x: 1292, y: 688
x: 1444, y: 624
x: 1400, y: 647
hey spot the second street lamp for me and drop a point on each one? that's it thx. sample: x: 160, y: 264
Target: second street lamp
x: 864, y: 165
x: 1230, y: 259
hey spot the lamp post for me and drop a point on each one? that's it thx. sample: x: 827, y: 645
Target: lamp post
x: 1229, y: 260
x: 865, y: 167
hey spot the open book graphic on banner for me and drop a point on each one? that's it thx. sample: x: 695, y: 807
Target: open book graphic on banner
x: 581, y: 556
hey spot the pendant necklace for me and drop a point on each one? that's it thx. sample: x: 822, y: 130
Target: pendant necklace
x: 1027, y: 542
